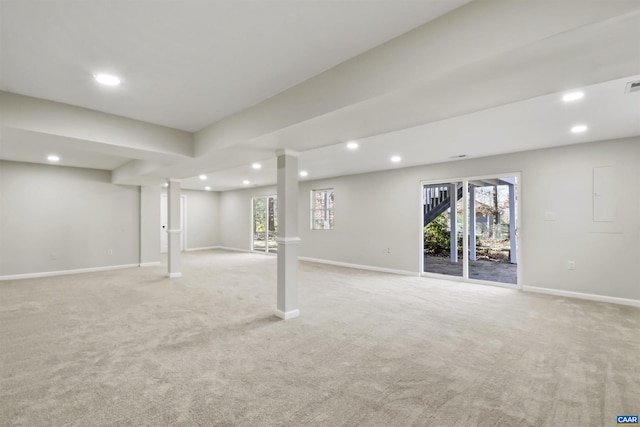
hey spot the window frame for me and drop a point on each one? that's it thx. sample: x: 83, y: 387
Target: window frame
x: 328, y: 210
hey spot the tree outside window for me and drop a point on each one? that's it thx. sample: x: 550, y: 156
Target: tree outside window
x: 322, y: 209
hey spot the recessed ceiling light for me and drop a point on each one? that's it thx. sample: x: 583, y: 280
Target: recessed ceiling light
x: 396, y: 159
x: 53, y: 158
x: 572, y: 96
x: 207, y: 188
x: 578, y: 128
x: 304, y: 173
x: 352, y: 145
x: 256, y: 166
x: 107, y: 79
x: 202, y: 177
x: 246, y: 182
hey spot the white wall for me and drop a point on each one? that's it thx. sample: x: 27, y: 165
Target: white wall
x: 75, y: 215
x: 202, y: 223
x: 381, y: 210
x: 235, y: 216
x: 202, y: 218
x: 55, y: 218
x: 149, y: 225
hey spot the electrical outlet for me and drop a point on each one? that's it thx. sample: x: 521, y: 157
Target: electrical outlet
x: 388, y: 250
x: 109, y: 251
x: 571, y: 265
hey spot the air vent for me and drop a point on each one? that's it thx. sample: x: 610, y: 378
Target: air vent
x: 633, y: 87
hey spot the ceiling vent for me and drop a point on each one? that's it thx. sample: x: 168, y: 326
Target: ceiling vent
x: 633, y: 87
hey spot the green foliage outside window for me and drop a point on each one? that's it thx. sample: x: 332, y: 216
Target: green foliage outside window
x: 437, y: 239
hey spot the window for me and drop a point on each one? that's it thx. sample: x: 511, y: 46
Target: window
x: 322, y: 204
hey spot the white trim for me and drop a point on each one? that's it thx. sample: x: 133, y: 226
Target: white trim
x: 173, y: 231
x: 205, y: 248
x: 183, y: 222
x: 174, y: 275
x: 466, y: 215
x: 288, y: 240
x: 66, y: 272
x: 149, y: 264
x: 580, y: 295
x: 359, y: 266
x: 288, y: 315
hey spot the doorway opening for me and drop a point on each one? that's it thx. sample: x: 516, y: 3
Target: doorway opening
x: 264, y: 224
x: 470, y: 229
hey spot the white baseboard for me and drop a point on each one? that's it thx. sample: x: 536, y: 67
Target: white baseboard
x: 359, y: 266
x: 205, y: 248
x: 149, y: 264
x: 66, y: 272
x: 174, y: 275
x: 580, y: 295
x: 287, y: 315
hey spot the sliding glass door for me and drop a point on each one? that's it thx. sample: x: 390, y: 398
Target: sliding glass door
x: 492, y: 230
x: 265, y: 224
x: 469, y: 229
x: 442, y: 222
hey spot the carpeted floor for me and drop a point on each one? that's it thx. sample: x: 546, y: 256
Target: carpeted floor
x: 132, y: 348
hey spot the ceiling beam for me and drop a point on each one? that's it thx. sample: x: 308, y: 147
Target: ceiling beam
x: 472, y: 34
x: 48, y: 117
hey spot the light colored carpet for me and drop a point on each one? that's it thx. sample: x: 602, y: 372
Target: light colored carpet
x: 130, y: 348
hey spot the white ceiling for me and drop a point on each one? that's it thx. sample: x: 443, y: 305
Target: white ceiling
x: 252, y: 77
x: 185, y: 64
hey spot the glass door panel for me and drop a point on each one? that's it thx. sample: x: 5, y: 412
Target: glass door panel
x: 265, y: 224
x: 272, y: 226
x: 442, y: 228
x: 492, y: 226
x: 259, y: 224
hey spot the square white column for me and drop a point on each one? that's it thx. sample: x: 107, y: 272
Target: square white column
x: 174, y: 232
x: 288, y: 240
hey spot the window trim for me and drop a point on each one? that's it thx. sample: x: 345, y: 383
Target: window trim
x: 328, y: 211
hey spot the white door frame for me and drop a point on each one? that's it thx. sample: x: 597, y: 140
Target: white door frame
x: 465, y: 229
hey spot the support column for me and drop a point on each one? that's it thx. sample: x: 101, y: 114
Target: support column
x: 472, y: 223
x: 174, y: 233
x: 453, y: 225
x: 288, y: 240
x: 512, y: 224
